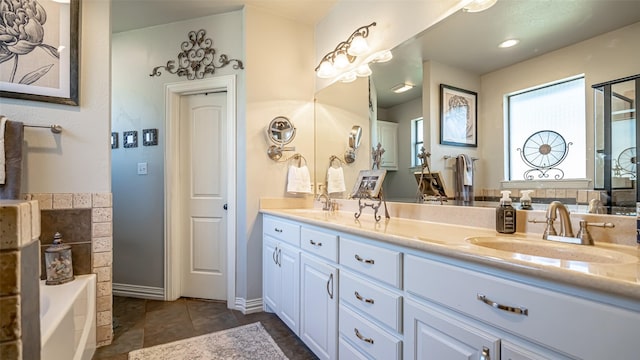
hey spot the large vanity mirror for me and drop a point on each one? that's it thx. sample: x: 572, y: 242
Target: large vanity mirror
x: 558, y: 40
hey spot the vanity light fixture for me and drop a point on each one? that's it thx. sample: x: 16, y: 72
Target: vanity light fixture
x: 345, y: 53
x: 479, y: 5
x: 508, y: 43
x: 400, y: 88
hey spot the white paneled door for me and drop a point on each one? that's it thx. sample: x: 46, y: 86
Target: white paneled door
x: 203, y: 195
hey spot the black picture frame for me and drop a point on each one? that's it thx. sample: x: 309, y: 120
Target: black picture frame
x: 130, y: 139
x: 33, y: 78
x: 458, y: 116
x: 149, y: 137
x: 114, y: 140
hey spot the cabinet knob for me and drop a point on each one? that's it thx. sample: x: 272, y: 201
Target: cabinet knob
x: 277, y: 230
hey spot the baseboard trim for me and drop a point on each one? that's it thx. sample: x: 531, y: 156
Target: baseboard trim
x: 249, y: 306
x: 138, y: 291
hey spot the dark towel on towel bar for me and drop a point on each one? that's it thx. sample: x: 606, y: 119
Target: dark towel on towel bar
x: 464, y: 180
x: 13, y: 138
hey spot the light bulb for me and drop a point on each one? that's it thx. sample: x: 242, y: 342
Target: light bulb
x: 363, y: 70
x: 381, y: 56
x: 348, y: 77
x: 341, y: 61
x: 358, y: 46
x: 326, y: 70
x: 479, y: 5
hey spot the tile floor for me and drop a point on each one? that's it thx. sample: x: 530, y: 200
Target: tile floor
x: 142, y: 323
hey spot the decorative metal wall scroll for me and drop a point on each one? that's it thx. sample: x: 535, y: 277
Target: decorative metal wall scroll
x: 544, y: 151
x: 196, y: 58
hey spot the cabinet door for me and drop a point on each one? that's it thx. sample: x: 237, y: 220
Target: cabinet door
x: 432, y: 334
x: 319, y: 306
x: 388, y: 138
x: 513, y: 351
x: 289, y: 264
x: 270, y: 274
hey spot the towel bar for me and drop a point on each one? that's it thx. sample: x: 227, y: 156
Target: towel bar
x: 56, y: 129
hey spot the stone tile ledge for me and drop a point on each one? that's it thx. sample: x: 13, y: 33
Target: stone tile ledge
x: 19, y: 223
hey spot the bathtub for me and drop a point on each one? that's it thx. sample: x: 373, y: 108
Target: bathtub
x: 68, y: 319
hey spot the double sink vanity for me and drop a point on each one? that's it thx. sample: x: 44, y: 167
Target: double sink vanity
x: 407, y: 288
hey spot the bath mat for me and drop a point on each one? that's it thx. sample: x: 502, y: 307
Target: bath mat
x: 244, y: 342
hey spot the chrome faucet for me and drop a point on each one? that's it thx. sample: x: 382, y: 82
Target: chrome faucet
x: 556, y: 207
x: 328, y: 204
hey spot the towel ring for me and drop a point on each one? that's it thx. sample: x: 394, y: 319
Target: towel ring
x: 333, y: 158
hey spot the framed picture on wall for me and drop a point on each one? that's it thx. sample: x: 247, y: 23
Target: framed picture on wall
x: 458, y: 116
x: 39, y: 51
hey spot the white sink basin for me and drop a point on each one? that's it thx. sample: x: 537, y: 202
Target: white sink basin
x: 553, y: 250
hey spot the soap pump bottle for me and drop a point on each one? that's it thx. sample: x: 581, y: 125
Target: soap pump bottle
x: 505, y: 215
x: 525, y: 200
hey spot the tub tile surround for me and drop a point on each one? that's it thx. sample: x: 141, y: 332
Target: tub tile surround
x: 19, y: 287
x: 85, y: 221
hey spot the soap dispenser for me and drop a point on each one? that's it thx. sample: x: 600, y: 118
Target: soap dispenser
x: 525, y: 200
x: 505, y: 215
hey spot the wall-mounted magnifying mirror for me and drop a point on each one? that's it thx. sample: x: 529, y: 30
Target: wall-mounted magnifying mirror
x: 355, y: 136
x: 281, y: 132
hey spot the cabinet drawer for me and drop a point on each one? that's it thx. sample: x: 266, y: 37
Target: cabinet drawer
x: 375, y: 301
x: 368, y: 337
x: 282, y: 230
x: 347, y: 351
x: 319, y: 243
x: 567, y: 323
x: 379, y: 263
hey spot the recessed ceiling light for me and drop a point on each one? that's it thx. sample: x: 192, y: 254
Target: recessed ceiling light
x: 400, y: 88
x: 509, y: 43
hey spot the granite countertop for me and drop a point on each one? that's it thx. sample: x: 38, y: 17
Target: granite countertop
x: 609, y: 268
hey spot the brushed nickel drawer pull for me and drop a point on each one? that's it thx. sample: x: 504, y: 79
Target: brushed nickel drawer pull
x: 366, y: 261
x: 367, y: 340
x: 277, y: 230
x: 359, y: 297
x: 315, y: 243
x: 516, y: 310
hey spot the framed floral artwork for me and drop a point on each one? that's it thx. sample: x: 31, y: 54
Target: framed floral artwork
x: 39, y: 50
x: 458, y: 116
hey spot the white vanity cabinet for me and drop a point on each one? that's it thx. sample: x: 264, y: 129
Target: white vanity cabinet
x: 319, y: 292
x: 281, y: 270
x: 528, y: 322
x: 350, y: 297
x: 370, y: 300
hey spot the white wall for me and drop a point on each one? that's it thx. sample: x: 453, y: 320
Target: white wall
x: 279, y: 82
x: 607, y: 57
x: 139, y: 103
x: 78, y: 160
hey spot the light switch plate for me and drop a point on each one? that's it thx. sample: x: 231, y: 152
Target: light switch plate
x: 142, y: 168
